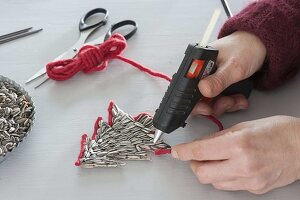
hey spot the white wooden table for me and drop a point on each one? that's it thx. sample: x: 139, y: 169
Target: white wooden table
x: 43, y: 167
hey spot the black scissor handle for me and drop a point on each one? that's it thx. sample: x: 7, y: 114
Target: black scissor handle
x: 121, y: 24
x: 84, y: 26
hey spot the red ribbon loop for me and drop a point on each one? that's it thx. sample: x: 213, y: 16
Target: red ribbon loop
x: 89, y: 59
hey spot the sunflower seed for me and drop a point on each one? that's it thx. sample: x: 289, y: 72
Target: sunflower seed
x: 126, y: 139
x: 16, y: 113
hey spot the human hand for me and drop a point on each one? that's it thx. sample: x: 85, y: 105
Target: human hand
x: 256, y: 156
x: 241, y: 54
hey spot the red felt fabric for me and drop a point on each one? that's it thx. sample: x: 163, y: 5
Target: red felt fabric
x: 277, y: 24
x: 159, y: 152
x: 110, y: 116
x: 82, y: 143
x: 96, y: 126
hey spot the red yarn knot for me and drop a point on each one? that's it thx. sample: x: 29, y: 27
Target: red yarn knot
x: 89, y: 59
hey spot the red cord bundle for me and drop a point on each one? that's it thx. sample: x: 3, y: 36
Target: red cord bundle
x: 95, y: 58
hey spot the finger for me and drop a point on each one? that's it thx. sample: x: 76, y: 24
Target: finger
x: 223, y: 104
x: 202, y: 108
x: 233, y: 185
x: 215, y: 148
x: 265, y: 190
x: 264, y: 183
x: 257, y: 185
x: 230, y: 104
x: 227, y: 74
x: 210, y: 172
x: 241, y: 103
x: 213, y: 135
x: 260, y: 191
x: 277, y: 184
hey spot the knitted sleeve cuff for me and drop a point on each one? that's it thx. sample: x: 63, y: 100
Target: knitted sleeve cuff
x: 277, y: 24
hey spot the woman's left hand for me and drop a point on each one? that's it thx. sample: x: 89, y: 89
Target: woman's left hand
x: 256, y: 156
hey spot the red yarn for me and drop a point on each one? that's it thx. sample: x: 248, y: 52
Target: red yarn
x: 110, y: 115
x: 82, y: 143
x: 95, y: 58
x: 215, y: 120
x: 96, y: 125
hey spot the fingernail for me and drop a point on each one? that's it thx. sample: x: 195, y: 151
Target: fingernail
x: 174, y: 154
x: 242, y: 108
x: 205, y: 113
x: 202, y: 112
x: 227, y: 108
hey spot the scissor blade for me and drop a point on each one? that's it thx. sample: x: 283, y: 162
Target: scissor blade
x: 44, y: 79
x: 69, y: 54
x: 97, y: 41
x: 72, y: 52
x: 41, y: 72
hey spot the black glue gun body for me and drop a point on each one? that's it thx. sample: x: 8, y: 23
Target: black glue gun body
x: 183, y: 94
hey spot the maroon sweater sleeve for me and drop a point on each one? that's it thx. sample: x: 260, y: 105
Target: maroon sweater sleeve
x: 277, y: 24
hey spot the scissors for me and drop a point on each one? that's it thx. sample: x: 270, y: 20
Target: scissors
x: 85, y: 31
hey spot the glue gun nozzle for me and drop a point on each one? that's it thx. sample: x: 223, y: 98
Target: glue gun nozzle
x: 157, y: 135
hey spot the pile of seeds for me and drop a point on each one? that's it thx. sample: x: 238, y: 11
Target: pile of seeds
x: 16, y: 116
x: 125, y: 139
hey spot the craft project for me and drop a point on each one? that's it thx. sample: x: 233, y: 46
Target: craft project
x: 95, y: 58
x: 123, y: 138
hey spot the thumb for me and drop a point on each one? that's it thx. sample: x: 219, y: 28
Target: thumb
x: 227, y: 74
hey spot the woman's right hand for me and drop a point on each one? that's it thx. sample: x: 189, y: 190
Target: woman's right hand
x: 256, y: 156
x: 241, y: 54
